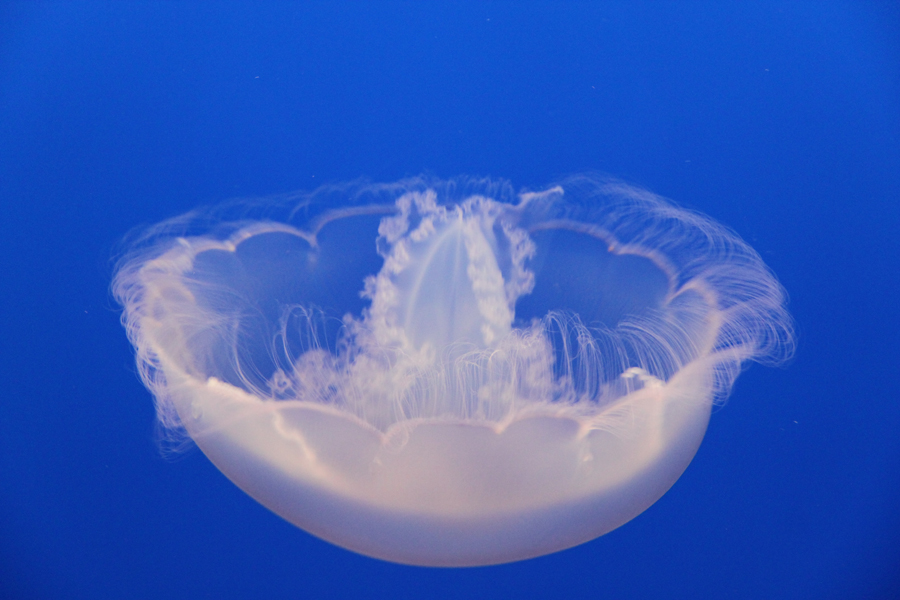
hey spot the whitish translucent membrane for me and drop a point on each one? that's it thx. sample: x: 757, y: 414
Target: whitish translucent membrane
x: 449, y: 373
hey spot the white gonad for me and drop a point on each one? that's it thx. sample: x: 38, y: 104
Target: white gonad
x: 448, y: 372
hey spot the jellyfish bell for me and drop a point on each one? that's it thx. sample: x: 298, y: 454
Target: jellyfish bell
x: 449, y: 373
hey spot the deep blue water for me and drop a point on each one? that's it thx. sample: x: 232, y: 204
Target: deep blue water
x: 779, y: 119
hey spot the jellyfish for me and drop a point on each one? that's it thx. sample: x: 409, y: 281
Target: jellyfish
x: 448, y: 373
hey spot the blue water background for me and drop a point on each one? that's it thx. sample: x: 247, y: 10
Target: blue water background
x: 779, y: 119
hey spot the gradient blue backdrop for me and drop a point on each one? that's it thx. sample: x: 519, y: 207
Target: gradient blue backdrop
x: 780, y: 119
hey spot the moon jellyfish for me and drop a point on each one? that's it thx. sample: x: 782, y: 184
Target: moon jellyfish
x: 448, y: 373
